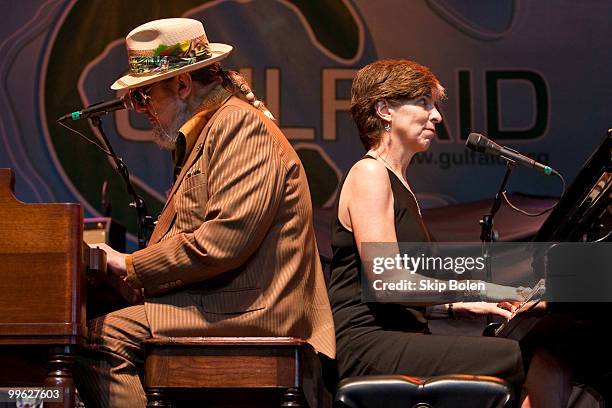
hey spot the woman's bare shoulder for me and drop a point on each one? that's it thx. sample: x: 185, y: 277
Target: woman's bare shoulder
x: 367, y: 180
x: 368, y: 171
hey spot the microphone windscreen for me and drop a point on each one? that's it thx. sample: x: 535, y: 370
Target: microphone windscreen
x: 476, y: 142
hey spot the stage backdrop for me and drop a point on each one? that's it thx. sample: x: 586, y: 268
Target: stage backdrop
x: 534, y: 75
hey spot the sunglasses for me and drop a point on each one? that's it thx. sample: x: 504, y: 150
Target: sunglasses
x: 141, y: 97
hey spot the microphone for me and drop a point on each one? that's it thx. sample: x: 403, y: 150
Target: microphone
x: 481, y: 144
x: 100, y: 108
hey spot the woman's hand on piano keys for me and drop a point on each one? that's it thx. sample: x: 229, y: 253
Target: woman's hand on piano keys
x: 115, y: 260
x: 495, y: 293
x: 512, y: 307
x: 474, y: 310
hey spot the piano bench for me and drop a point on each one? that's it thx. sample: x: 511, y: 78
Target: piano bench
x: 395, y: 391
x: 212, y: 370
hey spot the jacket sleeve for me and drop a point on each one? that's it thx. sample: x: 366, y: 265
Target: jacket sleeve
x: 245, y: 188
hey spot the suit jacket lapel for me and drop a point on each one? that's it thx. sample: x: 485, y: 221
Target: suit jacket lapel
x: 195, y: 153
x: 168, y: 213
x: 164, y: 222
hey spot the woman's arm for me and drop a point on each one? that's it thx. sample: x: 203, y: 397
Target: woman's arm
x: 367, y: 201
x: 366, y: 208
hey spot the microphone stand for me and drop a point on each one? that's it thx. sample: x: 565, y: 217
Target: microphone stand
x: 487, y: 234
x: 144, y: 221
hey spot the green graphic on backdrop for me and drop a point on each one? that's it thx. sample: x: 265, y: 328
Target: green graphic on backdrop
x: 82, y: 37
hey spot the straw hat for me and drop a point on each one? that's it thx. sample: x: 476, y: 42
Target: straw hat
x: 161, y: 49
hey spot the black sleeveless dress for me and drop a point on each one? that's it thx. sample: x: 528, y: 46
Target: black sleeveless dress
x: 384, y: 338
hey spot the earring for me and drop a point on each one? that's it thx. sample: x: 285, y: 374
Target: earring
x: 387, y: 127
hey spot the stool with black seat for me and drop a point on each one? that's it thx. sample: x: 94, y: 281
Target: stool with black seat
x: 230, y: 371
x: 447, y: 391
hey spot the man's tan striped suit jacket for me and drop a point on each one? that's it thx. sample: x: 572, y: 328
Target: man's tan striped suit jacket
x: 234, y: 251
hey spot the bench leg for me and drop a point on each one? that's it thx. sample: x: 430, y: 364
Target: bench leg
x: 156, y: 398
x: 293, y: 398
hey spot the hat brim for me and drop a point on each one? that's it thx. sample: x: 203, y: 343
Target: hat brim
x: 219, y: 51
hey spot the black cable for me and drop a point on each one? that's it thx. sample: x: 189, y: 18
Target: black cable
x: 102, y: 149
x: 520, y: 210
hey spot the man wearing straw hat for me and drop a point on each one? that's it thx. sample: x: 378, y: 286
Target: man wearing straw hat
x: 233, y: 252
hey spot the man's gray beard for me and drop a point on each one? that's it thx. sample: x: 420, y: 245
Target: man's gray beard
x: 166, y: 138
